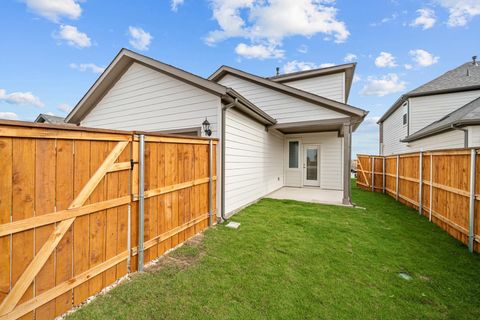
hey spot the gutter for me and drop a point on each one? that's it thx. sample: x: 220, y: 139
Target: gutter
x: 465, y: 134
x: 454, y: 126
x: 224, y: 112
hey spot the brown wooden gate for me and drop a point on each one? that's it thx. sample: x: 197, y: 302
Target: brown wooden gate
x: 68, y: 219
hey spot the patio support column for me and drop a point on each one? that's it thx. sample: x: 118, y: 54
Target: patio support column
x: 347, y: 155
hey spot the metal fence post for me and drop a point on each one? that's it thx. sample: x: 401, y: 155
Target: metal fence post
x: 420, y: 185
x: 471, y: 224
x: 384, y: 162
x: 373, y: 174
x: 396, y: 179
x: 141, y: 198
x: 210, y: 183
x: 431, y: 187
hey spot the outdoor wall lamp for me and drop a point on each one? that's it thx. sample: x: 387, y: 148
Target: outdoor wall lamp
x: 206, y: 127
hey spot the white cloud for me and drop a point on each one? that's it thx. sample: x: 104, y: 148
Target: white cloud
x: 259, y: 51
x: 139, y: 38
x: 350, y: 58
x: 73, y: 37
x: 426, y: 19
x: 8, y: 115
x: 326, y: 65
x: 391, y: 18
x: 460, y: 11
x: 53, y: 10
x: 270, y: 21
x: 356, y: 78
x: 423, y: 58
x: 294, y: 66
x: 23, y: 98
x: 303, y: 48
x: 64, y: 107
x: 175, y: 4
x: 87, y: 66
x: 408, y: 66
x: 385, y: 59
x: 382, y: 86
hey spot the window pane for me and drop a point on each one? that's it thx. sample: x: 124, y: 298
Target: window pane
x: 312, y: 164
x: 293, y: 154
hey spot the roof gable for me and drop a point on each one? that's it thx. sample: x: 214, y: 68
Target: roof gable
x: 297, y: 93
x: 348, y: 69
x: 46, y: 118
x: 283, y: 107
x: 120, y: 65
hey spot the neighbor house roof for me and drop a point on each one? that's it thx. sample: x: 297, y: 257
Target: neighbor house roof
x: 348, y: 69
x: 122, y: 62
x: 463, y: 78
x: 300, y: 94
x: 46, y: 118
x: 469, y: 114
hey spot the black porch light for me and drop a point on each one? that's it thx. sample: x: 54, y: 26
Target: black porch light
x: 206, y: 127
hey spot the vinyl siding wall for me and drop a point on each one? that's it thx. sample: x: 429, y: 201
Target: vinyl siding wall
x: 331, y: 86
x: 425, y: 110
x: 331, y: 159
x: 253, y: 161
x: 474, y: 136
x: 393, y: 132
x: 148, y: 100
x: 280, y: 106
x: 447, y: 140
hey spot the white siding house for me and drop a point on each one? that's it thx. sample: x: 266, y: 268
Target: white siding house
x: 393, y: 131
x: 434, y: 115
x: 282, y: 107
x: 331, y: 86
x: 331, y: 159
x: 427, y: 109
x: 254, y: 118
x: 253, y: 160
x: 148, y: 100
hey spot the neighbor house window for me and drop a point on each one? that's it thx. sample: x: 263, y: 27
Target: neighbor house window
x: 405, y: 114
x: 293, y: 154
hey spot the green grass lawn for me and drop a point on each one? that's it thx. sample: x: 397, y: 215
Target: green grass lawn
x: 294, y: 260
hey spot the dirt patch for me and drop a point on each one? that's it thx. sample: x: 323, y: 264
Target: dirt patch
x: 182, y: 257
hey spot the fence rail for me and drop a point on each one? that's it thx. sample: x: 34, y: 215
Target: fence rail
x: 443, y: 185
x: 69, y: 209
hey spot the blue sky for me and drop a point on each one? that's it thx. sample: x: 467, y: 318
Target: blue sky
x: 53, y: 50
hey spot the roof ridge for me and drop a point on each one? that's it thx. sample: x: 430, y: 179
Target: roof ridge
x: 302, y: 72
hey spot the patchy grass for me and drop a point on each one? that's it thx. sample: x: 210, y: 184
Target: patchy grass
x: 294, y: 260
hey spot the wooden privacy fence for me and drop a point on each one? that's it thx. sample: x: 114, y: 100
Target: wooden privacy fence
x: 443, y: 185
x: 71, y: 218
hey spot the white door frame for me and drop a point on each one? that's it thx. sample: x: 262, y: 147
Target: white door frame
x: 311, y: 183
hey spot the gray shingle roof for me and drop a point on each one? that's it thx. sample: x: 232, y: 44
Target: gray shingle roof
x: 466, y: 75
x: 46, y: 118
x: 462, y: 78
x: 469, y: 114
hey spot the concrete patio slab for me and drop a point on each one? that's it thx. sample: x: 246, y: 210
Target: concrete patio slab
x: 306, y: 194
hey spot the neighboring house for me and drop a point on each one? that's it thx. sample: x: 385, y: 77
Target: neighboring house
x: 441, y: 114
x: 272, y: 132
x: 46, y: 118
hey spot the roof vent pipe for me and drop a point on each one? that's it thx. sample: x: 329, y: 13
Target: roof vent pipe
x: 474, y: 61
x: 277, y: 71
